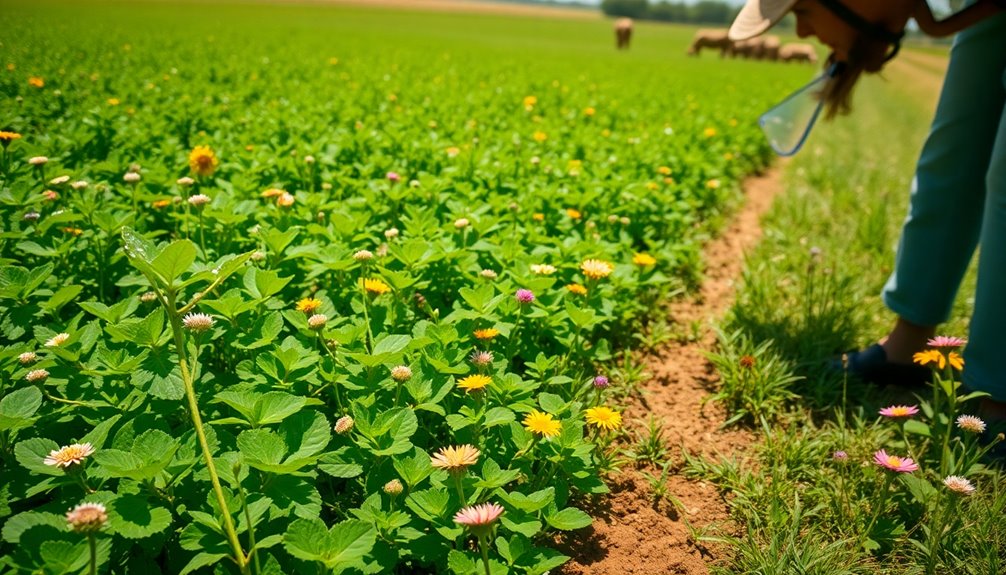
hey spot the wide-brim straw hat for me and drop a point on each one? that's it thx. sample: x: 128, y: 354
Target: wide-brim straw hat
x: 757, y: 16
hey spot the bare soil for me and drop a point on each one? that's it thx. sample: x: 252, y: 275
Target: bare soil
x: 632, y: 534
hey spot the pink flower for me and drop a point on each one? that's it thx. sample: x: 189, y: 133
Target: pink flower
x: 393, y: 177
x: 840, y: 455
x: 894, y: 463
x: 525, y: 296
x: 946, y: 341
x: 899, y: 411
x: 478, y: 515
x: 601, y: 382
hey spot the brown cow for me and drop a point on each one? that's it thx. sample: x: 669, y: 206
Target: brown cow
x: 797, y: 53
x: 710, y: 38
x: 623, y: 33
x: 750, y: 48
x: 770, y: 48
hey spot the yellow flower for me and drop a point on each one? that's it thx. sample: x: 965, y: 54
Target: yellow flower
x: 474, y: 382
x: 709, y: 132
x: 8, y: 137
x: 713, y: 184
x: 375, y: 286
x: 69, y: 455
x: 161, y: 204
x: 543, y: 269
x: 652, y: 186
x: 114, y: 102
x: 604, y: 418
x: 542, y: 423
x: 540, y: 136
x: 577, y: 289
x: 643, y: 259
x: 530, y: 101
x: 36, y: 82
x: 308, y: 305
x: 956, y: 361
x: 202, y: 161
x: 664, y: 171
x: 596, y: 269
x: 333, y: 61
x: 455, y: 459
x: 930, y: 356
x: 453, y: 151
x: 588, y: 111
x: 486, y: 334
x: 573, y: 213
x: 538, y: 217
x: 272, y: 193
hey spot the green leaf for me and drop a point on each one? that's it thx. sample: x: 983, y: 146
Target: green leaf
x: 551, y: 403
x: 202, y: 559
x: 413, y: 470
x: 174, y: 259
x: 275, y: 406
x: 141, y: 252
x: 23, y: 522
x: 581, y: 318
x: 461, y: 564
x: 31, y: 453
x: 429, y: 504
x: 916, y: 427
x: 544, y: 560
x: 345, y: 543
x: 569, y: 519
x: 131, y: 516
x: 145, y: 332
x: 498, y: 416
x: 391, y: 344
x: 261, y: 446
x: 18, y: 408
x: 342, y: 470
x: 530, y: 503
x: 493, y: 476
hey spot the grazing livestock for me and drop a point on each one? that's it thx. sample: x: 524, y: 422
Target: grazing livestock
x: 770, y: 48
x: 710, y: 38
x: 623, y: 33
x: 798, y: 53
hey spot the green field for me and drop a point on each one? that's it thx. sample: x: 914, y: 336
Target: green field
x: 377, y: 199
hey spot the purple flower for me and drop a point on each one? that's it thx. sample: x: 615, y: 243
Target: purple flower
x: 840, y: 455
x: 601, y: 382
x: 393, y: 177
x: 525, y: 296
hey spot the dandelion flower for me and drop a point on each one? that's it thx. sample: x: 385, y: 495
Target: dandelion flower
x: 930, y: 356
x: 455, y: 459
x: 344, y: 425
x: 36, y: 82
x: 971, y: 424
x: 317, y: 321
x: 87, y: 517
x: 542, y: 269
x: 197, y: 322
x: 709, y: 132
x: 946, y: 341
x: 596, y: 269
x: 589, y: 111
x: 393, y: 487
x: 899, y: 411
x: 603, y: 418
x: 37, y: 376
x: 538, y: 217
x: 574, y: 213
x: 160, y: 204
x: 958, y: 484
x: 575, y: 288
x: 401, y: 373
x: 542, y: 423
x: 486, y: 334
x: 57, y: 340
x: 375, y: 286
x: 955, y: 360
x: 894, y: 463
x: 524, y: 296
x: 272, y: 193
x: 643, y: 260
x: 308, y: 305
x: 540, y: 136
x: 530, y: 101
x: 8, y: 137
x: 474, y: 382
x: 203, y: 161
x: 453, y: 151
x: 478, y: 515
x: 69, y: 455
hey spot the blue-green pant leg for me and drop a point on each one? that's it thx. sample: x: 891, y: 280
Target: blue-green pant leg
x: 985, y: 355
x: 948, y: 193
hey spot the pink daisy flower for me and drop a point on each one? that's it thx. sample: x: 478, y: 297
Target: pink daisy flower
x: 946, y: 341
x: 899, y: 411
x: 894, y: 463
x: 478, y: 515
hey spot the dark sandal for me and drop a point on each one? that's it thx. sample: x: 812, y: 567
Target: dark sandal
x: 871, y: 365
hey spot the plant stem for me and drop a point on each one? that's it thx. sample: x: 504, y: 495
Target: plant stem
x: 883, y: 502
x: 197, y: 422
x: 484, y: 548
x: 460, y: 487
x: 251, y: 528
x: 92, y: 544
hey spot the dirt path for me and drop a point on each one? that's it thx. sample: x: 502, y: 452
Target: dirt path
x: 631, y: 534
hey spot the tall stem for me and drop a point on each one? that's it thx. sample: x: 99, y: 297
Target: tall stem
x: 883, y: 502
x: 93, y: 546
x: 197, y: 422
x: 484, y: 548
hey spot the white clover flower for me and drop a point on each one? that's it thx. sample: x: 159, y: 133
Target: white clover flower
x: 37, y: 376
x: 32, y: 216
x: 317, y: 321
x: 344, y: 425
x: 185, y: 181
x: 401, y: 373
x: 131, y: 177
x: 59, y: 180
x: 363, y: 255
x: 488, y: 274
x: 79, y: 185
x: 57, y: 340
x: 198, y: 322
x: 38, y: 160
x: 391, y: 233
x: 27, y: 357
x: 309, y: 159
x: 199, y: 200
x: 959, y: 484
x: 461, y: 223
x: 543, y: 269
x: 87, y: 517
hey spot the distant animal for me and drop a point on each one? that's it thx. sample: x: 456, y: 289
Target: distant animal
x: 750, y: 48
x: 623, y: 33
x: 710, y: 38
x: 797, y: 53
x: 770, y: 48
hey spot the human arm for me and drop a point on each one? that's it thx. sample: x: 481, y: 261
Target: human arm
x: 973, y: 14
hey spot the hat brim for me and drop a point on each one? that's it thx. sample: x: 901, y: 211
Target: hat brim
x: 757, y: 16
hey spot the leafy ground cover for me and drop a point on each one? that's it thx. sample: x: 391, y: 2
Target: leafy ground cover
x: 299, y: 288
x: 828, y: 489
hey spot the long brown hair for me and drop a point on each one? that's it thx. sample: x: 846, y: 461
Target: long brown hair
x: 866, y: 55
